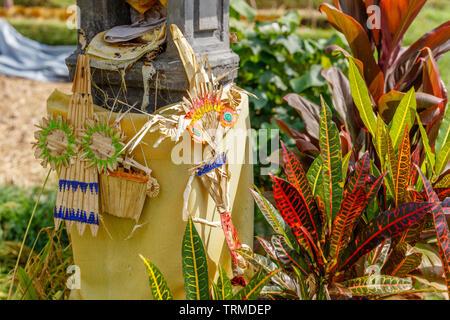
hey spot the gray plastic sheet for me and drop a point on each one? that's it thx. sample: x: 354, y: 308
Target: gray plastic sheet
x: 26, y: 58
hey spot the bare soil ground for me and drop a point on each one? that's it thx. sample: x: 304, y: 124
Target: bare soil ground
x: 22, y: 105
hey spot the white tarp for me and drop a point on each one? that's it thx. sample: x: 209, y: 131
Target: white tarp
x: 26, y: 58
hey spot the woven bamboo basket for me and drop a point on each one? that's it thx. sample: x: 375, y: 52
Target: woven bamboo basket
x: 123, y: 193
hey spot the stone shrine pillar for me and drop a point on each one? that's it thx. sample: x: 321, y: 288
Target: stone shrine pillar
x: 205, y: 25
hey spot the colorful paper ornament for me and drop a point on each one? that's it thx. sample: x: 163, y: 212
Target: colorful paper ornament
x: 228, y: 117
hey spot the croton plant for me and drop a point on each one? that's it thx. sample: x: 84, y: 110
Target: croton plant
x: 389, y: 71
x: 341, y: 232
x: 362, y: 211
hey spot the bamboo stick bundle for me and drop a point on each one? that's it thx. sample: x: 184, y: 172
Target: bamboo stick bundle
x: 77, y: 200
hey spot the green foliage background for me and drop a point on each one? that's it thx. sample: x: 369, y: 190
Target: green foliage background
x: 16, y: 205
x: 275, y: 59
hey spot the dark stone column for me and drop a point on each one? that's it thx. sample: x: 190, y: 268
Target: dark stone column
x: 205, y: 26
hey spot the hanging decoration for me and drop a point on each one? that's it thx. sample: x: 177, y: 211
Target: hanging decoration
x: 124, y: 190
x: 89, y: 154
x: 77, y: 201
x: 102, y: 145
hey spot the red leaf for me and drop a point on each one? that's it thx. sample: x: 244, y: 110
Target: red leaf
x: 374, y: 188
x: 297, y: 177
x: 415, y: 159
x: 343, y: 101
x: 433, y: 84
x: 294, y: 212
x: 345, y: 221
x: 438, y: 40
x: 308, y: 111
x: 441, y: 227
x: 443, y: 193
x: 360, y: 44
x: 305, y: 146
x: 355, y: 9
x: 294, y: 134
x: 396, y: 17
x: 390, y: 224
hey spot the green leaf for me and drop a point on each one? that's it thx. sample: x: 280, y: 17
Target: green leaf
x: 426, y: 144
x: 377, y: 285
x: 361, y: 97
x: 315, y: 177
x: 276, y: 291
x: 345, y: 162
x: 216, y: 292
x: 442, y: 147
x: 26, y: 284
x: 224, y: 286
x: 158, y: 284
x: 382, y: 253
x: 253, y: 288
x: 195, y: 266
x: 330, y: 152
x: 313, y: 78
x: 404, y: 115
x: 444, y: 132
x: 242, y: 7
x: 393, y: 163
x: 288, y: 256
x: 380, y: 142
x: 259, y: 261
x: 302, y: 283
x: 443, y: 158
x: 291, y: 20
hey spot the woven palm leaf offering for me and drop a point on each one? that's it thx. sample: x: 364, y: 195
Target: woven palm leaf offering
x: 124, y: 184
x: 96, y: 172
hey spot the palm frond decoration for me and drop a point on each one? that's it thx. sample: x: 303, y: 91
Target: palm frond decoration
x: 207, y: 112
x: 101, y: 145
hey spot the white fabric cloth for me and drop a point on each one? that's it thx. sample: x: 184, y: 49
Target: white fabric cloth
x: 26, y: 58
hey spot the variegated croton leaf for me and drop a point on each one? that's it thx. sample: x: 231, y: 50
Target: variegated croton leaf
x: 297, y: 177
x: 390, y: 224
x: 293, y: 210
x: 441, y: 227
